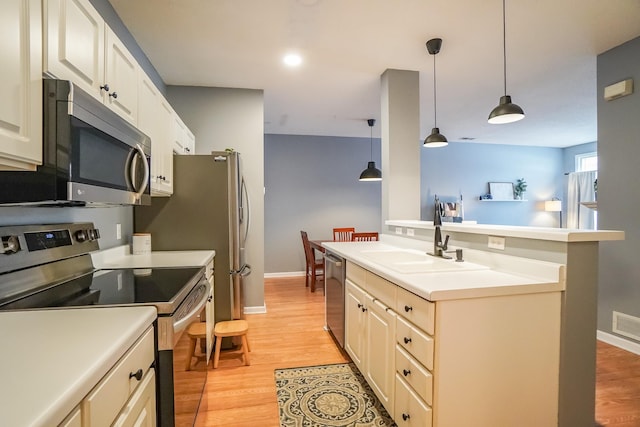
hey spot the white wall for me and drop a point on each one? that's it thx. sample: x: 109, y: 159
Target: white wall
x: 223, y: 118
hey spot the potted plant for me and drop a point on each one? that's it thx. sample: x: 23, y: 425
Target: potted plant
x: 520, y: 188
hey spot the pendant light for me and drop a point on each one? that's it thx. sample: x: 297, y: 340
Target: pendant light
x: 436, y: 139
x: 371, y: 173
x: 506, y: 111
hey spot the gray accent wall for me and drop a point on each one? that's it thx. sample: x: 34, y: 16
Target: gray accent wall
x: 466, y: 168
x: 618, y: 189
x: 312, y: 185
x: 222, y: 118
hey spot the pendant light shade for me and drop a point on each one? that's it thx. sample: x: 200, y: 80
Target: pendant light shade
x: 371, y: 173
x: 506, y: 111
x: 436, y: 139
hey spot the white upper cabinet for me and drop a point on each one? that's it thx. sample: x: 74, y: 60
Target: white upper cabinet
x: 20, y: 85
x: 155, y: 120
x: 74, y: 44
x: 183, y: 139
x: 121, y: 74
x: 80, y: 47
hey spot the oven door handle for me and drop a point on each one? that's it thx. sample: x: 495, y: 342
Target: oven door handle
x: 183, y: 322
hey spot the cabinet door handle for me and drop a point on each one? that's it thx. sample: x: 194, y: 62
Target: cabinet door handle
x: 137, y: 374
x: 210, y: 299
x: 407, y: 340
x: 406, y: 372
x: 408, y: 308
x: 364, y: 309
x: 114, y: 95
x: 405, y: 417
x: 105, y: 87
x: 360, y: 306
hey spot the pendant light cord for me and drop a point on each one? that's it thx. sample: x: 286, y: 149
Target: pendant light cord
x: 435, y: 103
x: 371, y: 141
x: 504, y: 46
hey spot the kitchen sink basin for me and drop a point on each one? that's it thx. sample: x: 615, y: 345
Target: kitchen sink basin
x: 414, y: 261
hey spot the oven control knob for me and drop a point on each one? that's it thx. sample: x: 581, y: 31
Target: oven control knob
x: 9, y: 245
x: 81, y: 235
x: 91, y: 233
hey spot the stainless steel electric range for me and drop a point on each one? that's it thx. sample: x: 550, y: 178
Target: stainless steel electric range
x: 50, y: 267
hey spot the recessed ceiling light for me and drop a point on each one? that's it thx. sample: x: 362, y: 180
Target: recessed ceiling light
x: 292, y: 59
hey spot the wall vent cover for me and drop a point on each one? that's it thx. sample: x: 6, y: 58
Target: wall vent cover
x: 626, y: 325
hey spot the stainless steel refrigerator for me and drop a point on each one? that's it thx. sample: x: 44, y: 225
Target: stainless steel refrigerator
x: 209, y: 209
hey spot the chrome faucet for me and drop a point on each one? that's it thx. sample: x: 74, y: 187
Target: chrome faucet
x: 439, y: 247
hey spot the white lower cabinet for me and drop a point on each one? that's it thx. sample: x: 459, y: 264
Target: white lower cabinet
x: 140, y: 411
x: 410, y: 410
x: 380, y: 354
x: 469, y: 362
x: 370, y: 335
x: 126, y: 395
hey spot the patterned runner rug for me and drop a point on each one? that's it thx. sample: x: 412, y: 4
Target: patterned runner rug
x: 327, y: 395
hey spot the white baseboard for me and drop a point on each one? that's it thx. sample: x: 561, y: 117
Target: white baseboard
x: 260, y: 309
x: 619, y: 342
x: 285, y: 274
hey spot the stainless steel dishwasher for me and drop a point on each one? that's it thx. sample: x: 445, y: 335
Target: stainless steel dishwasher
x: 335, y: 273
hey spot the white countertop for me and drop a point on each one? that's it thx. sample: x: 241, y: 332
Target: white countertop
x: 51, y: 359
x: 539, y: 233
x: 121, y: 257
x: 506, y: 275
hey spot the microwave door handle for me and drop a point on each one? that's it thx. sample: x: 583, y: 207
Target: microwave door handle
x: 145, y: 181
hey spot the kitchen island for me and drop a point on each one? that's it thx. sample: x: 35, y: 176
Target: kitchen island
x: 520, y: 261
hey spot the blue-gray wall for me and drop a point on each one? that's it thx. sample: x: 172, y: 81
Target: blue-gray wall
x: 466, y: 168
x: 570, y: 153
x: 312, y: 184
x: 618, y: 189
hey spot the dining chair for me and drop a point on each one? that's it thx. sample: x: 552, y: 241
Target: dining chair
x: 364, y: 237
x: 343, y: 234
x: 314, y: 269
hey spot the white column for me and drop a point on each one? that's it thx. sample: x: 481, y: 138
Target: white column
x: 400, y: 127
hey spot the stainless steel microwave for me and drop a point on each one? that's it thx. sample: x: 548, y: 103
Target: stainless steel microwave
x: 91, y: 156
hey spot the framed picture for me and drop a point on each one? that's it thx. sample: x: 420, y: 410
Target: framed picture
x: 501, y: 190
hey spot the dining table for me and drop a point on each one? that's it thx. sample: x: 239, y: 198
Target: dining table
x: 317, y: 244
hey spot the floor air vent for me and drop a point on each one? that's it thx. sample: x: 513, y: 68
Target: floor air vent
x: 626, y: 325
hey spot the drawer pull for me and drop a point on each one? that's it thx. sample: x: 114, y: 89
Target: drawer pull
x: 407, y: 340
x: 360, y: 306
x: 406, y: 372
x: 137, y: 374
x: 210, y: 299
x: 408, y: 308
x: 405, y: 417
x: 363, y: 309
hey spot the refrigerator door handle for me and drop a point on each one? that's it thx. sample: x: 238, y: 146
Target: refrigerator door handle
x: 245, y: 192
x: 244, y: 271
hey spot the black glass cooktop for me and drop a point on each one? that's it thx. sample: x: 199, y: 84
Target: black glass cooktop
x: 152, y: 286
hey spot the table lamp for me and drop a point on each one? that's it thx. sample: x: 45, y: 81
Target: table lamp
x: 554, y: 205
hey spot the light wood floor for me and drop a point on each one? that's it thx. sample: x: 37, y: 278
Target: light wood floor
x: 291, y: 335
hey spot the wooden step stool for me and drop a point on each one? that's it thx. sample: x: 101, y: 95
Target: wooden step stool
x: 231, y: 328
x: 195, y: 331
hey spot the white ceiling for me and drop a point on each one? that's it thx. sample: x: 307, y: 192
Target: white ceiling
x: 347, y: 44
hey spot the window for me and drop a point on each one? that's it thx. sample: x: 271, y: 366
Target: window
x: 586, y: 162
